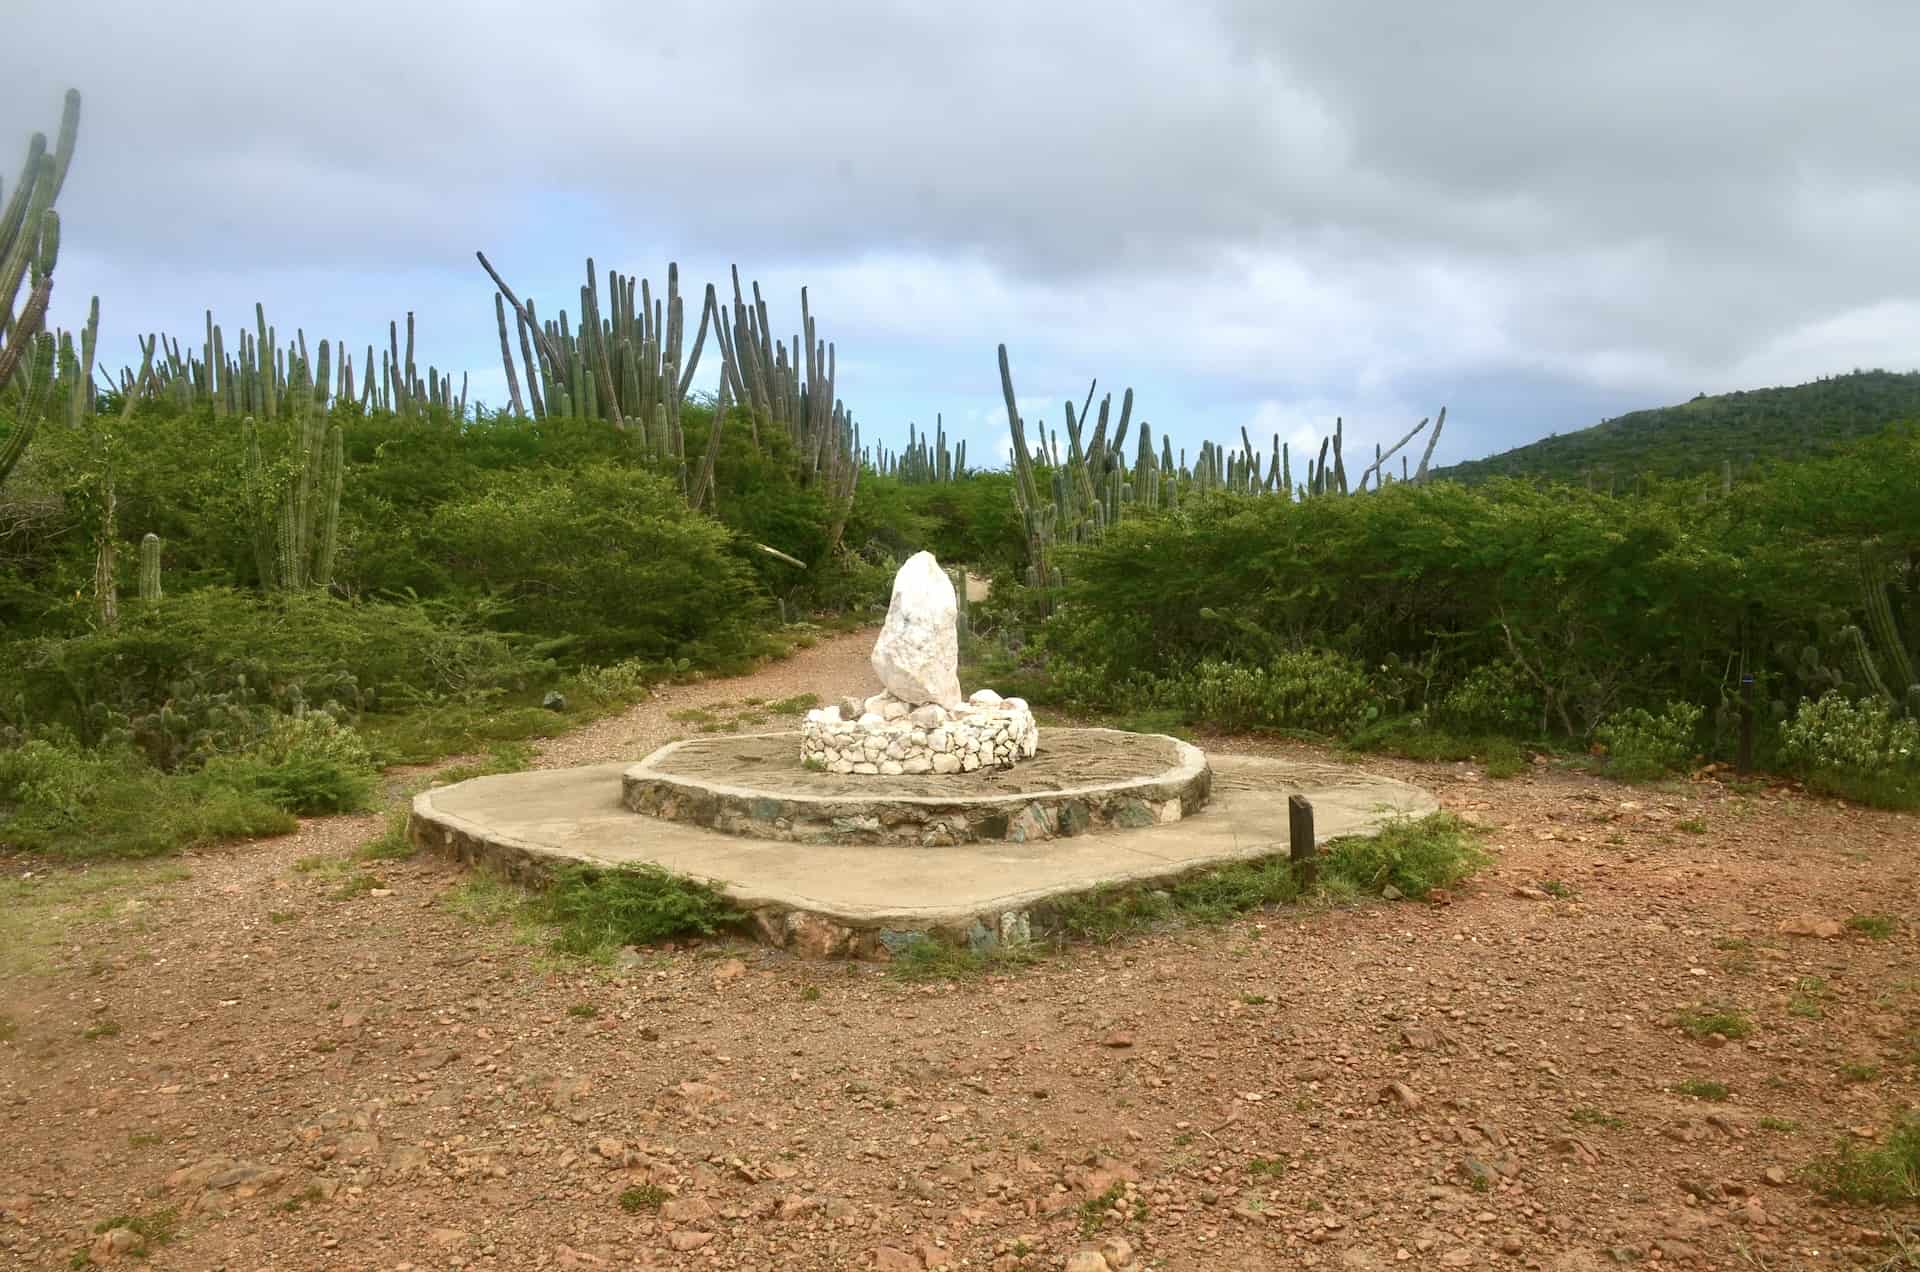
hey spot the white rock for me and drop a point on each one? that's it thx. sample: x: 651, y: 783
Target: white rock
x: 895, y: 710
x: 869, y: 769
x: 872, y: 720
x: 918, y: 654
x: 918, y: 764
x: 930, y: 716
x: 984, y: 698
x: 1015, y: 704
x: 946, y: 762
x: 841, y: 766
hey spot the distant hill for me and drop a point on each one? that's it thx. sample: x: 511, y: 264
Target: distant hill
x: 1693, y: 438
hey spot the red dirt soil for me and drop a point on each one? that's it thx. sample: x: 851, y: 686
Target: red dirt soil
x: 308, y: 1080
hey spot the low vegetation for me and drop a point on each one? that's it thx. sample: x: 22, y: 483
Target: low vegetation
x: 1410, y: 856
x: 597, y: 911
x: 592, y: 913
x: 1707, y: 1020
x: 1885, y: 1174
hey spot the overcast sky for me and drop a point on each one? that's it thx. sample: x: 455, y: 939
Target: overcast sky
x: 1259, y: 213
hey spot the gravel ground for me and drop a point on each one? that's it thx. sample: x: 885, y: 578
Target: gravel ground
x: 294, y: 1073
x: 838, y: 665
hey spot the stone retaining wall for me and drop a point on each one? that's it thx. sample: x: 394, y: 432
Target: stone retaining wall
x: 885, y: 736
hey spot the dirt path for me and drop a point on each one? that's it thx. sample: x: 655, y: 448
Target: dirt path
x: 307, y: 1079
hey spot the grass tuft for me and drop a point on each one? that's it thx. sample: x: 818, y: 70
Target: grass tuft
x: 1875, y: 927
x: 358, y: 886
x: 1705, y: 1020
x: 156, y: 1229
x: 642, y: 1197
x: 597, y: 911
x: 1884, y: 1175
x: 1413, y: 855
x: 1093, y: 1211
x: 923, y: 959
x: 1500, y: 757
x: 1703, y: 1089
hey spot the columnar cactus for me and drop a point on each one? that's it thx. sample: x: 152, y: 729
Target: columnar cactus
x: 296, y: 510
x: 1885, y: 663
x: 150, y: 567
x: 29, y: 248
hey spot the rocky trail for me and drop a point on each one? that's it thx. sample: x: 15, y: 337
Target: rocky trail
x: 269, y: 1057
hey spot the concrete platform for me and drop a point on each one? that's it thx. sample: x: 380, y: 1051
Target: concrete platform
x: 829, y: 899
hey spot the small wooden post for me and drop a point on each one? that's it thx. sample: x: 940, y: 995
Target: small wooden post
x: 1745, y: 762
x: 1300, y: 849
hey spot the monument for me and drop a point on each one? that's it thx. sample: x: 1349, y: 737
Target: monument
x: 918, y: 722
x: 911, y: 813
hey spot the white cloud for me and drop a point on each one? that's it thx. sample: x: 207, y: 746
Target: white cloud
x: 1301, y: 205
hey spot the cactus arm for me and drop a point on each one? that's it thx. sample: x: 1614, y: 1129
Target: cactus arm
x: 27, y: 239
x: 553, y: 355
x: 1433, y: 440
x: 506, y: 355
x: 26, y: 330
x: 1381, y: 459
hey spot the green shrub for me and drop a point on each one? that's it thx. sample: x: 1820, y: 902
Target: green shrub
x: 210, y: 657
x: 1311, y: 689
x: 70, y: 802
x: 1641, y: 745
x: 607, y: 558
x: 308, y: 763
x: 596, y: 911
x: 1413, y: 855
x: 1863, y: 739
x: 626, y: 680
x: 1493, y: 698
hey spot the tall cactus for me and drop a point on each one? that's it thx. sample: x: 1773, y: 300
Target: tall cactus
x: 1885, y: 662
x: 296, y: 510
x: 150, y: 567
x: 29, y: 248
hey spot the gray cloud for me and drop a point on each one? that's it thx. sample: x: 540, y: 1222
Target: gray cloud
x: 1260, y: 209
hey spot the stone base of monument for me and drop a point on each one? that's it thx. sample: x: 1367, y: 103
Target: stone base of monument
x: 861, y: 895
x: 890, y: 738
x: 1087, y: 780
